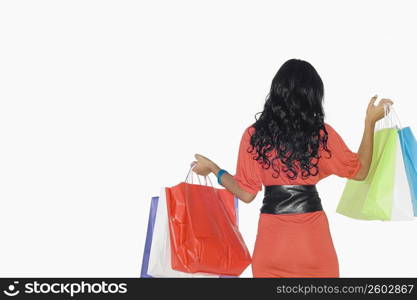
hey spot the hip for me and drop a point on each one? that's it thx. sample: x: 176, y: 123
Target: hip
x: 294, y: 245
x: 306, y: 233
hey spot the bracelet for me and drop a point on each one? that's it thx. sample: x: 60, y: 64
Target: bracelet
x: 219, y: 175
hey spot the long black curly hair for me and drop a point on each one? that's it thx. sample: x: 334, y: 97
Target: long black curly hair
x: 292, y: 122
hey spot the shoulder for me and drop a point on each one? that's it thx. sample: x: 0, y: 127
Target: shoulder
x: 328, y: 127
x: 248, y: 132
x: 246, y: 136
x: 331, y: 131
x: 334, y: 138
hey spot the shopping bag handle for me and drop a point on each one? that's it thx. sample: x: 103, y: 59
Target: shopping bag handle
x: 395, y: 115
x: 205, y: 177
x: 390, y: 118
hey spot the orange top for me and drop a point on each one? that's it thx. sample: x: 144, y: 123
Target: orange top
x: 250, y: 175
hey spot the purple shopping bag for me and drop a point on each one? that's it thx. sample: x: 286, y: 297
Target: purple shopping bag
x: 149, y: 235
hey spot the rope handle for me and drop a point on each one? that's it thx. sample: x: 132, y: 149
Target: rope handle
x: 390, y: 119
x: 395, y: 116
x: 198, y: 177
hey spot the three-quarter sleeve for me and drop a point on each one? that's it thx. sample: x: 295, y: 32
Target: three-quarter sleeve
x: 247, y: 169
x: 343, y: 161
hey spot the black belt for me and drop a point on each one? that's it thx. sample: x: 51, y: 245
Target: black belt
x: 291, y: 199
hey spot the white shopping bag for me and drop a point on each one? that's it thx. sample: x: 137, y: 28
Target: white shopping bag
x: 402, y: 206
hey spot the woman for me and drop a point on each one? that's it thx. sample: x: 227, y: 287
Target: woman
x: 288, y: 150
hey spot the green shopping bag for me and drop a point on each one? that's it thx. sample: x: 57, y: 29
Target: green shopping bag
x: 371, y: 199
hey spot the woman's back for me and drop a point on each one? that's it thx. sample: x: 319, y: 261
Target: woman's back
x: 251, y: 175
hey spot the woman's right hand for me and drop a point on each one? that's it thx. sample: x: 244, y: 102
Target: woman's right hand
x: 376, y: 112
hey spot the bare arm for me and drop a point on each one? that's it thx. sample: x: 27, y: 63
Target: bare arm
x: 204, y: 166
x: 230, y: 184
x: 373, y: 114
x: 365, y: 150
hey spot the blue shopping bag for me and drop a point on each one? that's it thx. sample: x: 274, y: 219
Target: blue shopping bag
x: 149, y: 235
x: 409, y: 150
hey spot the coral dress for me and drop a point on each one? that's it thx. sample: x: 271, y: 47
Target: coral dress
x: 300, y: 244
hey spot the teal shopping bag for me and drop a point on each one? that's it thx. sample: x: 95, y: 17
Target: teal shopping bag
x: 409, y: 149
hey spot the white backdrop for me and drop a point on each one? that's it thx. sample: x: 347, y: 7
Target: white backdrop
x: 104, y: 102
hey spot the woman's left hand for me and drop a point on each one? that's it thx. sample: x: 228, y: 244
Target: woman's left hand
x: 203, y: 166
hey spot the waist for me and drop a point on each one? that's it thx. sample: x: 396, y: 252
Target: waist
x: 290, y: 199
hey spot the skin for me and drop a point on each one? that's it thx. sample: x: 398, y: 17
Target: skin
x: 204, y: 166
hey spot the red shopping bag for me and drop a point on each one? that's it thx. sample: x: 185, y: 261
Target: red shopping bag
x: 203, y: 231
